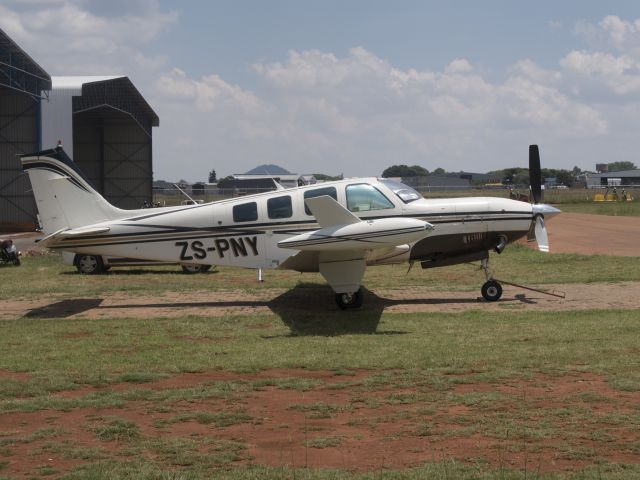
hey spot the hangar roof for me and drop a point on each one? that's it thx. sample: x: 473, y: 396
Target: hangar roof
x: 115, y: 93
x: 620, y: 174
x: 19, y: 71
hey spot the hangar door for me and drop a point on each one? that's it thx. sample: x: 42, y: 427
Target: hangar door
x: 19, y: 134
x: 114, y: 152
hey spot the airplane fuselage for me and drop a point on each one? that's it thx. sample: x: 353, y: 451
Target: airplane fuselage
x: 246, y: 231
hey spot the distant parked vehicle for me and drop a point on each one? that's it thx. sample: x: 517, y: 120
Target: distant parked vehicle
x: 9, y: 254
x: 96, y: 264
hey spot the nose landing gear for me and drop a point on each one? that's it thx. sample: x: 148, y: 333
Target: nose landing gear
x: 350, y: 300
x: 491, y: 290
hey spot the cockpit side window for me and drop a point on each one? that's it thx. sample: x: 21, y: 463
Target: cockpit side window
x: 245, y: 212
x: 402, y: 191
x: 279, y: 207
x: 363, y: 197
x: 318, y: 192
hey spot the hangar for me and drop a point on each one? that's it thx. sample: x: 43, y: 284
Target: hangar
x: 625, y: 178
x: 22, y: 83
x: 105, y: 125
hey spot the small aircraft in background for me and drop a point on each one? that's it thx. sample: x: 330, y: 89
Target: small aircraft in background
x: 336, y: 228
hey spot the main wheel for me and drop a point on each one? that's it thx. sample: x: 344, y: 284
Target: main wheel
x: 350, y: 300
x: 89, y: 264
x: 16, y: 261
x: 195, y: 268
x: 491, y: 291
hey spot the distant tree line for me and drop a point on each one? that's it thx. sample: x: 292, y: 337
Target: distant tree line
x: 620, y: 166
x: 410, y: 171
x: 509, y: 176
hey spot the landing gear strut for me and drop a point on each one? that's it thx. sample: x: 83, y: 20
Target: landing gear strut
x: 350, y: 300
x: 491, y: 290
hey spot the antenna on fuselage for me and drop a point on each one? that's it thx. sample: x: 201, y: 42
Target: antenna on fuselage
x: 184, y: 193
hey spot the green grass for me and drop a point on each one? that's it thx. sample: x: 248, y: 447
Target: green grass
x: 46, y: 277
x: 116, y: 429
x: 414, y: 362
x: 324, y: 442
x: 219, y: 419
x: 441, y: 470
x: 597, y: 338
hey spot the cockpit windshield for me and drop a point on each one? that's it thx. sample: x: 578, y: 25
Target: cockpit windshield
x: 404, y: 193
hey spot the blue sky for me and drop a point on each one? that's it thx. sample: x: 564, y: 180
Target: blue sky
x: 355, y: 86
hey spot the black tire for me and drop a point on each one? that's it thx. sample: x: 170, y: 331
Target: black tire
x: 16, y: 261
x: 190, y: 269
x: 350, y: 300
x: 491, y: 291
x: 89, y: 264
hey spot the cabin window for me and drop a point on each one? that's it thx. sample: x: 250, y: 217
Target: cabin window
x: 318, y: 192
x: 246, y: 212
x: 364, y: 197
x: 279, y: 207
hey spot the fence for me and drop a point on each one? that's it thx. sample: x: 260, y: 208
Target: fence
x: 170, y: 197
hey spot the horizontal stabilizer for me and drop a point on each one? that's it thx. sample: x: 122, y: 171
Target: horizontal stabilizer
x: 73, y: 233
x: 328, y: 212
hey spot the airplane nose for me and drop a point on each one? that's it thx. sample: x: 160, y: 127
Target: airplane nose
x: 547, y: 211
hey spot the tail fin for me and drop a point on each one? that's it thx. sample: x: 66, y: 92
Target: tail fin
x: 64, y: 196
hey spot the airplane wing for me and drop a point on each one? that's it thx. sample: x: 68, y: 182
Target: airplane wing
x: 339, y: 248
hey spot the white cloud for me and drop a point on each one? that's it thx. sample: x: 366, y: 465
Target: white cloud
x: 207, y: 94
x: 356, y: 113
x: 71, y: 39
x: 359, y: 113
x: 613, y: 64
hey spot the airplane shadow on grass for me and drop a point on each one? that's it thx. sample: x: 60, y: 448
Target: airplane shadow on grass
x: 307, y: 309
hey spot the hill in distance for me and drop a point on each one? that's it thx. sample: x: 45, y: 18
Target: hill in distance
x: 268, y: 170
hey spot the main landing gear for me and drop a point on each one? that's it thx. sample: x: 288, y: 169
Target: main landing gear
x: 491, y: 290
x: 350, y: 300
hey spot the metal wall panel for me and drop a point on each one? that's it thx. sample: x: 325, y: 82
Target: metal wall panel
x: 57, y: 115
x: 19, y: 134
x: 115, y: 154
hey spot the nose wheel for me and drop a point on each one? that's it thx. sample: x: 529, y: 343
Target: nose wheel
x: 491, y: 291
x: 350, y: 299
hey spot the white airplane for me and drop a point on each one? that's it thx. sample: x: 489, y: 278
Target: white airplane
x: 336, y: 228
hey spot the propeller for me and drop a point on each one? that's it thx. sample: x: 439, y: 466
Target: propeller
x: 538, y: 230
x: 535, y: 174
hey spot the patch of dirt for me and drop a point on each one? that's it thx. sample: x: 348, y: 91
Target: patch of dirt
x: 594, y: 234
x: 289, y: 303
x: 8, y: 374
x: 358, y: 428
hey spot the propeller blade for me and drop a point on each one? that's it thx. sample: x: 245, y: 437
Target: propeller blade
x: 531, y: 234
x: 535, y: 173
x: 541, y: 235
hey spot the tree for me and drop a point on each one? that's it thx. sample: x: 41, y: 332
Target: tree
x: 439, y: 171
x: 565, y: 177
x: 405, y: 171
x: 212, y: 176
x: 327, y: 178
x: 619, y: 166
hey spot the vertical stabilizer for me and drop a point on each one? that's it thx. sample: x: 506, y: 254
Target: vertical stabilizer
x: 64, y: 196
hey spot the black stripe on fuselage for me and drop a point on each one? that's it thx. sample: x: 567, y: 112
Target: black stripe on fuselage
x: 107, y: 240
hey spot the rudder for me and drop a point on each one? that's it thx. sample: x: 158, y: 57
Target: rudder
x: 64, y: 196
